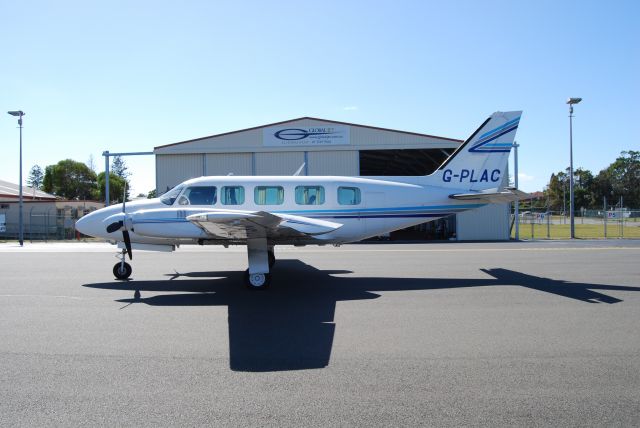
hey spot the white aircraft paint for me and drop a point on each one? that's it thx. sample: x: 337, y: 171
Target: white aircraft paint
x: 470, y: 178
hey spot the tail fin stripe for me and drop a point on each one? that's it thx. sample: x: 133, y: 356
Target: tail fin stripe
x: 480, y: 163
x: 483, y: 146
x: 506, y: 125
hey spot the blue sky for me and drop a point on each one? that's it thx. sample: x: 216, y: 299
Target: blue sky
x: 129, y: 76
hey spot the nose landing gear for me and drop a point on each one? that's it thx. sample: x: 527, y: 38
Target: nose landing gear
x: 122, y: 270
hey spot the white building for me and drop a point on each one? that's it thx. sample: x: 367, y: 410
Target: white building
x: 326, y: 147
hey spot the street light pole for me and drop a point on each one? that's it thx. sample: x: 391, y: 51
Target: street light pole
x: 571, y: 102
x: 517, y: 203
x: 19, y: 114
x: 106, y: 177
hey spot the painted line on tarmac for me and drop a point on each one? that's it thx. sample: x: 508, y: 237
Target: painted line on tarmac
x: 468, y: 250
x: 102, y: 248
x: 41, y: 295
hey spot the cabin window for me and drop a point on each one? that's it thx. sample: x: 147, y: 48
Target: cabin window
x: 170, y: 197
x: 310, y: 195
x: 198, y: 195
x: 232, y: 195
x: 348, y: 195
x: 268, y: 195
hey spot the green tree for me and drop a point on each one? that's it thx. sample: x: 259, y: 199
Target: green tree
x: 603, y: 188
x: 36, y: 176
x: 152, y: 194
x: 558, y: 191
x: 620, y: 179
x: 70, y: 179
x: 119, y: 167
x: 116, y: 187
x: 624, y: 174
x: 583, y: 189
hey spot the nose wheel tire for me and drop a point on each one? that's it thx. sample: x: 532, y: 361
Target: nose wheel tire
x: 257, y: 281
x: 122, y: 270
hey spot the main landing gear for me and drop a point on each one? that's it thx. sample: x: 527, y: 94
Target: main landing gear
x: 257, y: 281
x: 261, y: 259
x: 257, y: 277
x: 122, y: 270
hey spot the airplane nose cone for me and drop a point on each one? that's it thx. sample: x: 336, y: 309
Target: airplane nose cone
x: 89, y: 224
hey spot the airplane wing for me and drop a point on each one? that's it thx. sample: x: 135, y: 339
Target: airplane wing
x: 507, y: 195
x: 231, y: 224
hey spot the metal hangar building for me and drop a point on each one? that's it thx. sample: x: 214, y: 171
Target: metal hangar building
x: 327, y: 147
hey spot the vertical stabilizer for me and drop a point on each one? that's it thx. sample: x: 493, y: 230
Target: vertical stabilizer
x: 480, y: 163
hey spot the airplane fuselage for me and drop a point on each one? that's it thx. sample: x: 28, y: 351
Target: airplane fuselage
x: 365, y: 206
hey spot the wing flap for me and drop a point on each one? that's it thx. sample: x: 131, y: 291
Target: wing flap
x: 232, y: 224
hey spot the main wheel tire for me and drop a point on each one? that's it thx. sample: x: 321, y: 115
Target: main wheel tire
x: 122, y: 271
x: 257, y: 281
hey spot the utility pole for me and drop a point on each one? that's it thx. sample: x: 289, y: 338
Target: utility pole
x: 19, y: 114
x: 571, y: 102
x: 515, y: 182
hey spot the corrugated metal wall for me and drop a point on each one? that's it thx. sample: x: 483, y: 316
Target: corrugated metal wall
x: 333, y: 163
x: 377, y: 139
x: 243, y: 153
x: 278, y: 163
x: 225, y: 163
x: 488, y: 223
x: 172, y: 170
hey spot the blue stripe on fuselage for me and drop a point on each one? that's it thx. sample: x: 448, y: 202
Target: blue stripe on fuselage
x: 397, y: 212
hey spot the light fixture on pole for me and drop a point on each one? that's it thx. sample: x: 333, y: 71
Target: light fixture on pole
x: 19, y: 114
x: 571, y: 102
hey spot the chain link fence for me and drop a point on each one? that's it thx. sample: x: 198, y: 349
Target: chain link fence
x: 44, y: 225
x: 588, y: 224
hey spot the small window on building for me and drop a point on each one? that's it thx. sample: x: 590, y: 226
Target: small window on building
x: 198, y: 195
x: 269, y: 195
x: 310, y: 195
x: 348, y: 195
x: 232, y: 195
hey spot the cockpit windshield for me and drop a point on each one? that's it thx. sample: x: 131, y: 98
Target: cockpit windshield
x: 170, y: 197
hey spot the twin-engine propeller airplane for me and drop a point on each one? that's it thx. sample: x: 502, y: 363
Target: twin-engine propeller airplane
x: 262, y: 212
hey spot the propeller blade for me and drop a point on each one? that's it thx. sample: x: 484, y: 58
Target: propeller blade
x: 127, y: 242
x: 124, y: 197
x: 114, y: 227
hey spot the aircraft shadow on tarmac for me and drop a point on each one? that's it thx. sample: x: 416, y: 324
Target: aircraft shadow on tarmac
x: 290, y: 326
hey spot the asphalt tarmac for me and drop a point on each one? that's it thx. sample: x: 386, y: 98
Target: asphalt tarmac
x: 452, y: 334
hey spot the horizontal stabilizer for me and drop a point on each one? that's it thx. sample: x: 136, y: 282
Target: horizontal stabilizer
x: 507, y: 195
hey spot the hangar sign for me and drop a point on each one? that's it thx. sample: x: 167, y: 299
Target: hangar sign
x: 305, y: 136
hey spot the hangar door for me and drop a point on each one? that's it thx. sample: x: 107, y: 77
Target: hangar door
x: 333, y: 163
x: 226, y: 163
x: 278, y: 163
x: 404, y: 162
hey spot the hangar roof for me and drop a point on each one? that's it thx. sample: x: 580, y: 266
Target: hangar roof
x: 444, y: 139
x: 11, y: 191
